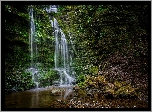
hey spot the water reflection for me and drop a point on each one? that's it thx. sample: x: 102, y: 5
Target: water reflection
x: 35, y: 98
x: 67, y: 92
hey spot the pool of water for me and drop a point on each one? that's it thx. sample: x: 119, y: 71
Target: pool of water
x: 34, y: 98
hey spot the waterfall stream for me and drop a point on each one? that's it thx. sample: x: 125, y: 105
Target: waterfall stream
x: 62, y: 60
x: 61, y: 55
x: 33, y: 47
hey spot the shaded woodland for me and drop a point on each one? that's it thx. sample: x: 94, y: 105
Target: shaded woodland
x: 109, y: 43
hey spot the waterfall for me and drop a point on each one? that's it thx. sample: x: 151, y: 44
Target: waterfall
x: 32, y: 31
x: 33, y: 47
x: 61, y: 55
x: 62, y: 59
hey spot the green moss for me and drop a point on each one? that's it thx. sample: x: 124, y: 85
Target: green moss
x: 94, y: 70
x: 118, y: 88
x: 82, y: 84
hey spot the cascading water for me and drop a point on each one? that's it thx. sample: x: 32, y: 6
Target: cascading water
x: 33, y: 47
x: 62, y: 60
x: 61, y: 56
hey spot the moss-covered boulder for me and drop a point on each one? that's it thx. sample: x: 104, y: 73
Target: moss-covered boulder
x: 120, y: 89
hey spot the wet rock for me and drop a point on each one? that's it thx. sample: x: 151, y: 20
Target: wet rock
x: 56, y: 91
x: 56, y: 83
x: 76, y: 88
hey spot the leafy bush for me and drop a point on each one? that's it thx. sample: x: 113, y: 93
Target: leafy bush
x: 18, y: 81
x: 46, y: 78
x: 94, y: 70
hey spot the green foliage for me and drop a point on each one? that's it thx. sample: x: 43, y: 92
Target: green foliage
x: 16, y: 37
x: 80, y: 78
x: 100, y: 31
x: 81, y: 85
x: 19, y: 80
x: 46, y: 78
x: 94, y: 70
x: 17, y: 53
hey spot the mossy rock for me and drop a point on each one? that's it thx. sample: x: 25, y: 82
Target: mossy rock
x: 82, y: 85
x: 94, y: 70
x: 119, y: 84
x: 120, y: 89
x: 101, y: 79
x: 81, y: 93
x: 126, y: 90
x: 109, y: 89
x: 56, y: 91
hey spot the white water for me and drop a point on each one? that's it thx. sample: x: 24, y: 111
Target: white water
x: 62, y: 59
x: 33, y: 47
x: 61, y: 55
x: 32, y: 34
